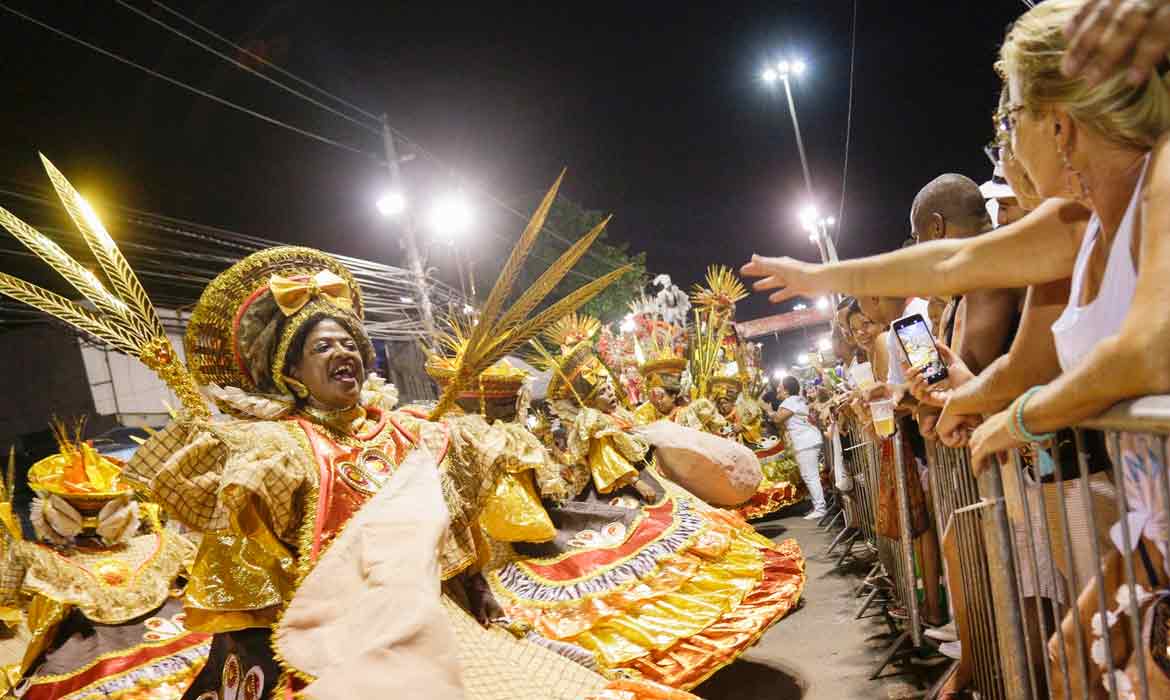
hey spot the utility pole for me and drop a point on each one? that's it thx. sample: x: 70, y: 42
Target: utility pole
x: 409, y: 242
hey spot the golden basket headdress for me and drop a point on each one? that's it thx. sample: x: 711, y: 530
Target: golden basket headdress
x: 86, y: 479
x: 499, y: 381
x: 246, y: 319
x: 665, y: 358
x: 499, y: 330
x: 577, y: 372
x: 725, y: 386
x: 723, y: 291
x: 122, y: 314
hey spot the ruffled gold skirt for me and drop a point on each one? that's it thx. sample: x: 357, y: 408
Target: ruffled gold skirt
x: 686, y: 591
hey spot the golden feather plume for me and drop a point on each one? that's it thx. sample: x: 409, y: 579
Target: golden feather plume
x: 511, y: 270
x: 498, y: 332
x: 59, y: 307
x: 124, y: 318
x: 723, y: 290
x: 572, y: 329
x: 568, y: 305
x: 82, y: 279
x: 118, y: 271
x: 551, y: 277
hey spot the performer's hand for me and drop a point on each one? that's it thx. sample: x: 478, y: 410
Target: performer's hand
x: 645, y: 491
x: 483, y: 603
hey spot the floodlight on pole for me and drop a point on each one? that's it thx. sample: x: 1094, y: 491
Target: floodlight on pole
x: 802, y: 359
x: 779, y: 375
x: 798, y: 67
x: 770, y: 75
x: 824, y: 345
x: 391, y: 203
x: 822, y: 304
x: 450, y: 215
x: 799, y: 307
x: 808, y: 217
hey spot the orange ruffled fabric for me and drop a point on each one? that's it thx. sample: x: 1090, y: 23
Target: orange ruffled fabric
x: 770, y: 498
x: 693, y: 615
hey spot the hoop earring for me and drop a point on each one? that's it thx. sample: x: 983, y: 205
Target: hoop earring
x: 298, y: 389
x: 1070, y: 170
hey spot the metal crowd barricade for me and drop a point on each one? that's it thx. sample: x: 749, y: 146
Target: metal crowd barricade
x: 1091, y: 634
x: 895, y: 557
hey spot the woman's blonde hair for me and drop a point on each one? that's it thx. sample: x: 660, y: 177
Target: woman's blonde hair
x: 1035, y: 45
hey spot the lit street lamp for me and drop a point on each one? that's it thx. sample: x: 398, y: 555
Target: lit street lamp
x: 800, y: 307
x: 802, y: 359
x: 779, y: 375
x: 783, y: 71
x: 822, y: 304
x: 391, y: 203
x: 450, y: 216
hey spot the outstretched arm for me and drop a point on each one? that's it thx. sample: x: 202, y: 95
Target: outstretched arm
x: 1039, y: 248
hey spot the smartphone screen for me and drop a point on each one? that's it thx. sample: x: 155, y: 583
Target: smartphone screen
x: 916, y: 340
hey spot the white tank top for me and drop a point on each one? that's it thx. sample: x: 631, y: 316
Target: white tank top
x: 1079, y: 328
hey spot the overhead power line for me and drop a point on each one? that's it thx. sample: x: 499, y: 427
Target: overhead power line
x: 848, y: 121
x: 190, y: 88
x: 243, y: 66
x: 416, y: 147
x: 260, y: 59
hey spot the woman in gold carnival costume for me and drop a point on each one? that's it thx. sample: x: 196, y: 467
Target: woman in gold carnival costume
x: 311, y: 475
x: 722, y: 372
x: 99, y: 586
x: 642, y: 575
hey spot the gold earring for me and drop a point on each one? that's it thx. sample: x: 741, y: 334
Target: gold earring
x: 298, y: 389
x: 1070, y: 170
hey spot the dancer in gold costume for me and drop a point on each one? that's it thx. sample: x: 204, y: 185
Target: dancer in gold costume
x: 645, y: 577
x: 322, y: 508
x: 99, y: 586
x: 723, y: 376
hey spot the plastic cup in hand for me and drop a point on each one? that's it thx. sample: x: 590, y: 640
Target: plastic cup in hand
x: 862, y: 374
x: 883, y: 417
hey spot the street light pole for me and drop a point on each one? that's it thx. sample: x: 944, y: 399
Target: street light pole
x: 796, y: 129
x: 409, y: 241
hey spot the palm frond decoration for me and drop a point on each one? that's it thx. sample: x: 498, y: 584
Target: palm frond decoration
x: 470, y: 348
x: 123, y: 315
x: 723, y: 291
x: 704, y: 360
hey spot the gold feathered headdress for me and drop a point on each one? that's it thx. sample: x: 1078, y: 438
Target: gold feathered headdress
x: 499, y: 331
x: 122, y: 315
x: 573, y: 329
x: 723, y: 291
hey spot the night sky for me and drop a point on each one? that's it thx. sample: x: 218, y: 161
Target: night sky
x: 656, y: 109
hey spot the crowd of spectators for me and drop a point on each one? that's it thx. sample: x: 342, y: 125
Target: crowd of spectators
x: 1045, y: 289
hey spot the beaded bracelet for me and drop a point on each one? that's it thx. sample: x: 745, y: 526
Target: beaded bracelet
x: 1018, y: 426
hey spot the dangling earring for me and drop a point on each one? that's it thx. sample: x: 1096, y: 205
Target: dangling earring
x: 298, y: 389
x: 1070, y: 170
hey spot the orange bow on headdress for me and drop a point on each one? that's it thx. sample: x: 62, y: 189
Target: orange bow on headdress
x: 291, y: 294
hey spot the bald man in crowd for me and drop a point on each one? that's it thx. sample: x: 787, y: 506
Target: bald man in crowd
x: 978, y: 326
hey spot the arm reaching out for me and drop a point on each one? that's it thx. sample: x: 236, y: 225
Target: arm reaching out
x: 1041, y: 247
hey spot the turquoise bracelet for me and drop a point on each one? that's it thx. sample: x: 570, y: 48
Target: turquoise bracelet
x: 1018, y: 418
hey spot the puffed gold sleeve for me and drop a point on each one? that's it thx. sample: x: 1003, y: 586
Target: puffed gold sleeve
x: 245, y: 485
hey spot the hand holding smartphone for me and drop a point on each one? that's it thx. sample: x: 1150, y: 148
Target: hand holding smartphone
x: 914, y: 335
